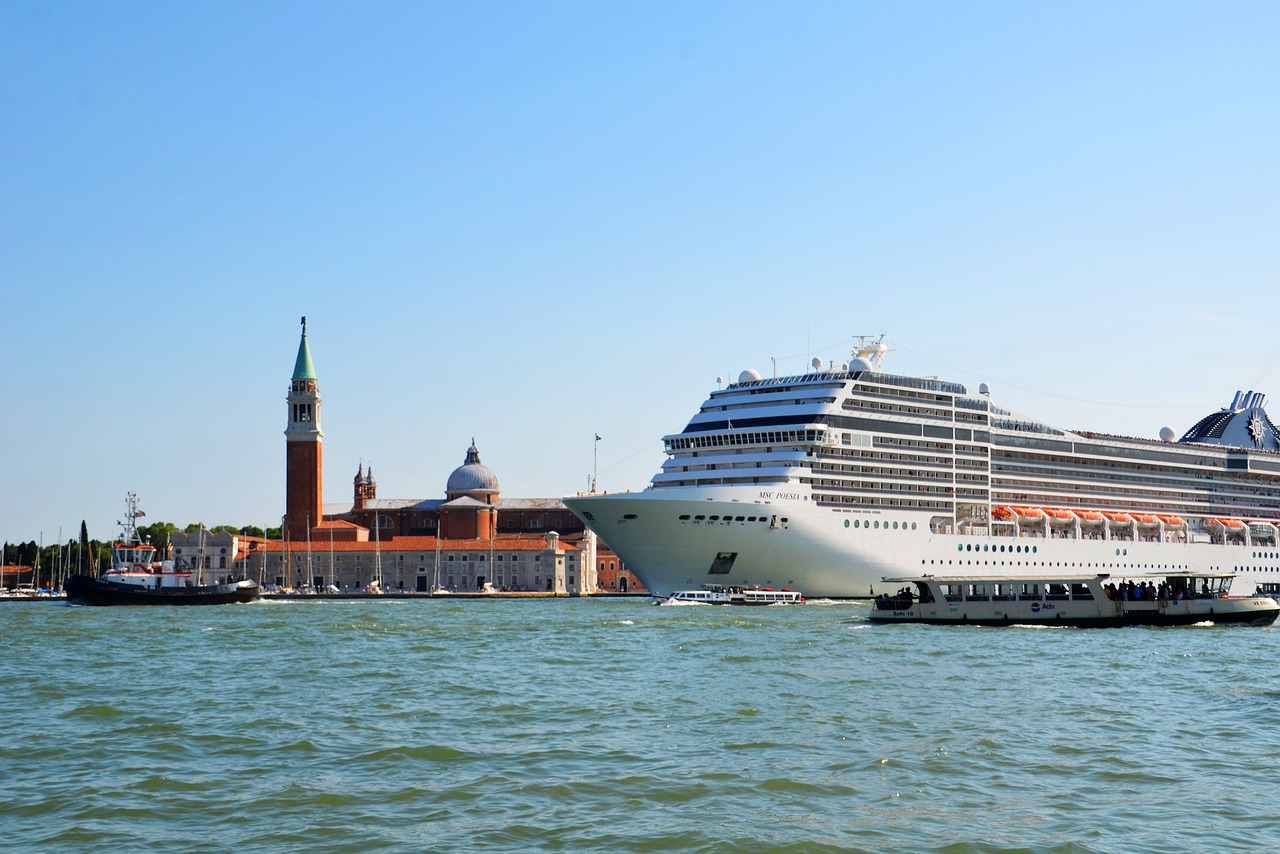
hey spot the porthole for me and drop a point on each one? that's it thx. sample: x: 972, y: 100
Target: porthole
x: 846, y: 523
x: 913, y: 526
x: 959, y: 548
x: 857, y: 523
x: 895, y: 526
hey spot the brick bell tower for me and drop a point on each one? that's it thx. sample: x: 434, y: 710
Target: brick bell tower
x: 303, y: 440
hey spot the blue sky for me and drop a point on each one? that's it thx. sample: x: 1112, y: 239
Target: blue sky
x: 538, y: 222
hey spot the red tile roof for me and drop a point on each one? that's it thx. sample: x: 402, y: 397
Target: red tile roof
x: 421, y: 544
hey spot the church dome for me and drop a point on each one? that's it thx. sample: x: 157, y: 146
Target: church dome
x: 472, y: 476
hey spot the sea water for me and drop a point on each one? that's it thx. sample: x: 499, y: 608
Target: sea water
x: 614, y: 725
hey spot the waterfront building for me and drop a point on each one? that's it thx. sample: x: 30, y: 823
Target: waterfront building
x: 14, y: 576
x: 470, y: 540
x: 217, y: 556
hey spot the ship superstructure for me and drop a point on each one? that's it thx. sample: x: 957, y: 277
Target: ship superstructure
x: 831, y: 480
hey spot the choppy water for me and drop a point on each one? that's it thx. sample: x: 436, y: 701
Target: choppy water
x: 613, y: 725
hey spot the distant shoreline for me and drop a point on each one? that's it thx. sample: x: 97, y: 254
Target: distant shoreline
x: 321, y: 597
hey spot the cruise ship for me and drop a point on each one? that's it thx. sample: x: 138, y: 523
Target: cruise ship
x: 830, y: 481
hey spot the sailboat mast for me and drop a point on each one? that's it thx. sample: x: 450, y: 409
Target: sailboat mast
x: 310, y: 571
x: 377, y: 552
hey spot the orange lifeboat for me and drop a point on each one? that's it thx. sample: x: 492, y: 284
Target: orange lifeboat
x: 1146, y: 520
x: 1115, y: 517
x: 1028, y: 514
x: 1003, y: 512
x: 1058, y: 516
x: 1089, y: 517
x: 1230, y: 524
x: 1171, y: 521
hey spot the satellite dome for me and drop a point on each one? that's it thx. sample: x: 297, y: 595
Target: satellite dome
x: 750, y: 375
x: 983, y: 388
x: 472, y: 476
x: 817, y: 363
x: 1167, y: 434
x: 860, y: 364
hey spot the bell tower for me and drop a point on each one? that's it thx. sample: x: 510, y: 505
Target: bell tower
x: 303, y: 440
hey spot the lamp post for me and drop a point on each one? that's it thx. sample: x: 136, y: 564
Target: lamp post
x: 595, y: 466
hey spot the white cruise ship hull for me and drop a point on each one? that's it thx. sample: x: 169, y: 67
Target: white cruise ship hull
x: 814, y: 551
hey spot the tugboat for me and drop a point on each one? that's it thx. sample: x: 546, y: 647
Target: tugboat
x: 137, y: 578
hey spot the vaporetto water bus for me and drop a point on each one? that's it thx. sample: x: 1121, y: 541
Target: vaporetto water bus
x: 832, y: 480
x: 1173, y: 599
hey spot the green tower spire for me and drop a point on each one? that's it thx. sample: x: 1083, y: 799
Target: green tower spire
x: 303, y: 368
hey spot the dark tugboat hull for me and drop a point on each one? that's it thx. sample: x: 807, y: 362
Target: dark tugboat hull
x: 91, y: 591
